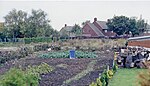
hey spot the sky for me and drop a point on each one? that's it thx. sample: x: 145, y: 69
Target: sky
x: 62, y: 12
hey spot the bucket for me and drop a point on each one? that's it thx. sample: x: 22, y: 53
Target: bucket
x: 72, y: 54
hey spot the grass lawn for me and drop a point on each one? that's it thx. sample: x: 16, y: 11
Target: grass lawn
x: 126, y: 77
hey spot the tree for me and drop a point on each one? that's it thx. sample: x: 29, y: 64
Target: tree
x: 133, y: 27
x: 19, y: 24
x: 141, y: 25
x: 124, y: 25
x: 15, y: 23
x: 38, y: 22
x: 119, y: 24
x: 76, y: 30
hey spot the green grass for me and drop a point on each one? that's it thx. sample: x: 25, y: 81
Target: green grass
x: 126, y: 77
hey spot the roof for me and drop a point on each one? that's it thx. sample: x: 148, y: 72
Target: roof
x: 148, y: 26
x: 139, y: 38
x: 102, y: 24
x: 96, y: 30
x: 67, y: 28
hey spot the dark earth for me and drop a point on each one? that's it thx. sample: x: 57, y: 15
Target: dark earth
x: 70, y: 68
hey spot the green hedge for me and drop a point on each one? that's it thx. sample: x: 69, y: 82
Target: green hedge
x: 37, y: 40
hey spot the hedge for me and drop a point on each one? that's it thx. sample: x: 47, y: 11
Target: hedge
x: 37, y: 40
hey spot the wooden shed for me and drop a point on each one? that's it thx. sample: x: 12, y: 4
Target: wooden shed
x: 142, y: 41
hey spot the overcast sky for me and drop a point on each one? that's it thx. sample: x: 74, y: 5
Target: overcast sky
x: 71, y: 12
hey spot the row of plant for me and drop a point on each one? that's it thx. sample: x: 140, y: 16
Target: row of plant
x: 107, y: 74
x: 28, y: 77
x: 65, y: 54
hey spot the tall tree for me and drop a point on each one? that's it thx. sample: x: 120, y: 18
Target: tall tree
x: 124, y: 25
x: 15, y: 22
x: 119, y: 24
x: 38, y: 22
x: 76, y: 30
x: 20, y: 24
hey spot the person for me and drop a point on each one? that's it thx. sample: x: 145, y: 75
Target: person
x: 119, y: 59
x: 146, y: 55
x: 134, y: 56
x: 129, y: 60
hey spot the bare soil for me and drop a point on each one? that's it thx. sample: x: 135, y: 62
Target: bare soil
x: 60, y: 74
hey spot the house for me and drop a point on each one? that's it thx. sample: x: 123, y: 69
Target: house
x: 66, y: 31
x: 97, y: 29
x: 141, y: 41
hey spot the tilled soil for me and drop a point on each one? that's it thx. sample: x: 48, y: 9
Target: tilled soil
x: 61, y: 74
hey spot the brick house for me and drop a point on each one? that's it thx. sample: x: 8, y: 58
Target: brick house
x: 97, y: 29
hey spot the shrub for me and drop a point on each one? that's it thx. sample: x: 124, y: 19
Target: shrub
x: 98, y: 81
x: 104, y: 78
x: 93, y: 84
x: 29, y: 77
x: 17, y: 77
x: 110, y: 74
x: 40, y: 47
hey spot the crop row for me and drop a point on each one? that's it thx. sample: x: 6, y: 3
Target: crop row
x: 65, y: 54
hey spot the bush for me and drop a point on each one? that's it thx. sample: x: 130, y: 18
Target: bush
x: 29, y: 77
x: 93, y: 84
x: 7, y: 55
x: 17, y: 77
x: 109, y: 74
x: 40, y: 47
x: 104, y: 78
x: 98, y: 81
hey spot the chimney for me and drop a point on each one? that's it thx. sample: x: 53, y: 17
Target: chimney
x: 95, y: 19
x: 65, y: 25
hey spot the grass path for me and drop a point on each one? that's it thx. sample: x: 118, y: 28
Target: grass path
x: 126, y: 77
x: 81, y: 74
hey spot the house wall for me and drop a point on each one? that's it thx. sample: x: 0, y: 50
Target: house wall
x: 88, y: 30
x: 144, y: 43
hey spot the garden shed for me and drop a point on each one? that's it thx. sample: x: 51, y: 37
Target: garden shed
x: 142, y: 41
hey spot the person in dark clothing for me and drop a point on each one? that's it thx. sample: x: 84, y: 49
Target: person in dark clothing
x: 146, y: 55
x: 134, y: 56
x: 128, y: 61
x: 139, y: 55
